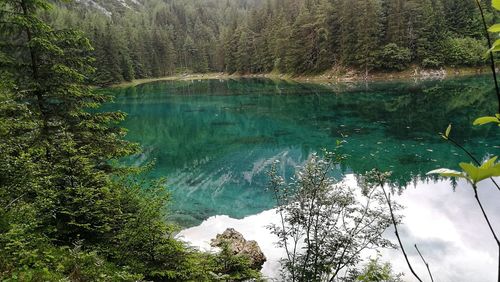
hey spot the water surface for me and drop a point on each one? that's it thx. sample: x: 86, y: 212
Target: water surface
x: 447, y: 226
x: 215, y: 140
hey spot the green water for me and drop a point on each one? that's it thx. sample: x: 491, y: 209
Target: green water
x: 215, y: 140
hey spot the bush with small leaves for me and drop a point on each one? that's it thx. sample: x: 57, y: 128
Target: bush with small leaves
x: 394, y: 57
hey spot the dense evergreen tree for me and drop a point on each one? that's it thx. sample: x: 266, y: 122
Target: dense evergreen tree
x: 395, y: 22
x: 306, y: 47
x: 461, y: 18
x: 368, y: 34
x: 160, y: 37
x: 67, y: 211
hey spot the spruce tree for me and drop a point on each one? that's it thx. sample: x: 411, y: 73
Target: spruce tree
x: 67, y: 211
x: 76, y: 144
x: 395, y: 22
x: 244, y: 51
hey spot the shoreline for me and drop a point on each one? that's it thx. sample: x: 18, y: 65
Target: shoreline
x: 326, y: 77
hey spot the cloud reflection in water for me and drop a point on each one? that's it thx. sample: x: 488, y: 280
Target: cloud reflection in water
x: 447, y: 226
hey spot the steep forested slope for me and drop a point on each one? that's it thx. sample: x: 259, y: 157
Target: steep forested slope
x: 137, y: 39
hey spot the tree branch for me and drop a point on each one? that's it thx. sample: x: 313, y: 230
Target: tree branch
x: 387, y: 198
x: 275, y: 189
x: 471, y: 156
x: 489, y: 225
x: 426, y: 264
x: 15, y: 200
x: 492, y: 60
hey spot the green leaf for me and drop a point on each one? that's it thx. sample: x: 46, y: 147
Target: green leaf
x: 471, y: 171
x: 447, y: 172
x: 485, y: 120
x: 487, y: 170
x: 489, y: 163
x: 448, y: 130
x: 495, y: 4
x: 495, y: 47
x: 494, y: 28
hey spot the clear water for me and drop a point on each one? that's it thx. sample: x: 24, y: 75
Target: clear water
x: 214, y: 140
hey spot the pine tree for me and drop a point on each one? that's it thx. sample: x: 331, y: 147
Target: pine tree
x: 244, y: 51
x: 231, y: 50
x: 189, y: 51
x: 302, y: 46
x: 425, y: 31
x: 395, y: 22
x: 368, y: 34
x: 360, y: 32
x: 346, y: 32
x: 462, y: 18
x: 279, y: 41
x: 109, y: 57
x: 76, y: 144
x: 286, y: 36
x: 163, y: 47
x: 308, y: 43
x: 263, y: 57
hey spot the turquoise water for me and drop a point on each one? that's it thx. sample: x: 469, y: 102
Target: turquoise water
x: 214, y: 140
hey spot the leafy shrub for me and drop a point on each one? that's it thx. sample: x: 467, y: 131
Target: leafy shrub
x: 27, y: 255
x: 431, y: 63
x: 393, y: 57
x: 464, y: 52
x: 375, y: 271
x: 230, y: 267
x: 311, y: 207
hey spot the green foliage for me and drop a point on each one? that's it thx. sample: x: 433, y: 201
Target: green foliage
x: 465, y: 52
x: 494, y: 28
x: 495, y: 47
x: 463, y: 19
x: 486, y: 170
x: 470, y: 172
x: 431, y: 63
x: 485, y: 120
x: 29, y: 255
x: 230, y: 267
x: 495, y: 4
x: 67, y: 211
x: 393, y: 57
x: 375, y: 271
x: 311, y: 208
x: 160, y: 38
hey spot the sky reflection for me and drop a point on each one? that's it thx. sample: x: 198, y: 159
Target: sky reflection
x: 447, y: 226
x: 215, y: 140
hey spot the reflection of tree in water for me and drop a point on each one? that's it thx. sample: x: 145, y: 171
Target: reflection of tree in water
x: 208, y: 136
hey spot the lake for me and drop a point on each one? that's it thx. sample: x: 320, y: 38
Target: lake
x: 215, y: 140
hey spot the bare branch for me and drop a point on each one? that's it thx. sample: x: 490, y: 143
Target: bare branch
x: 396, y: 231
x: 471, y: 156
x: 489, y: 225
x: 426, y: 264
x: 492, y: 60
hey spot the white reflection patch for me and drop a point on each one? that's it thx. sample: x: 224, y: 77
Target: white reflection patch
x: 447, y: 226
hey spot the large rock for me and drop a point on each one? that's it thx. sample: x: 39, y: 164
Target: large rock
x: 240, y: 246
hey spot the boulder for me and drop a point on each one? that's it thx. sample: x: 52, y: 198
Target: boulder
x: 240, y: 246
